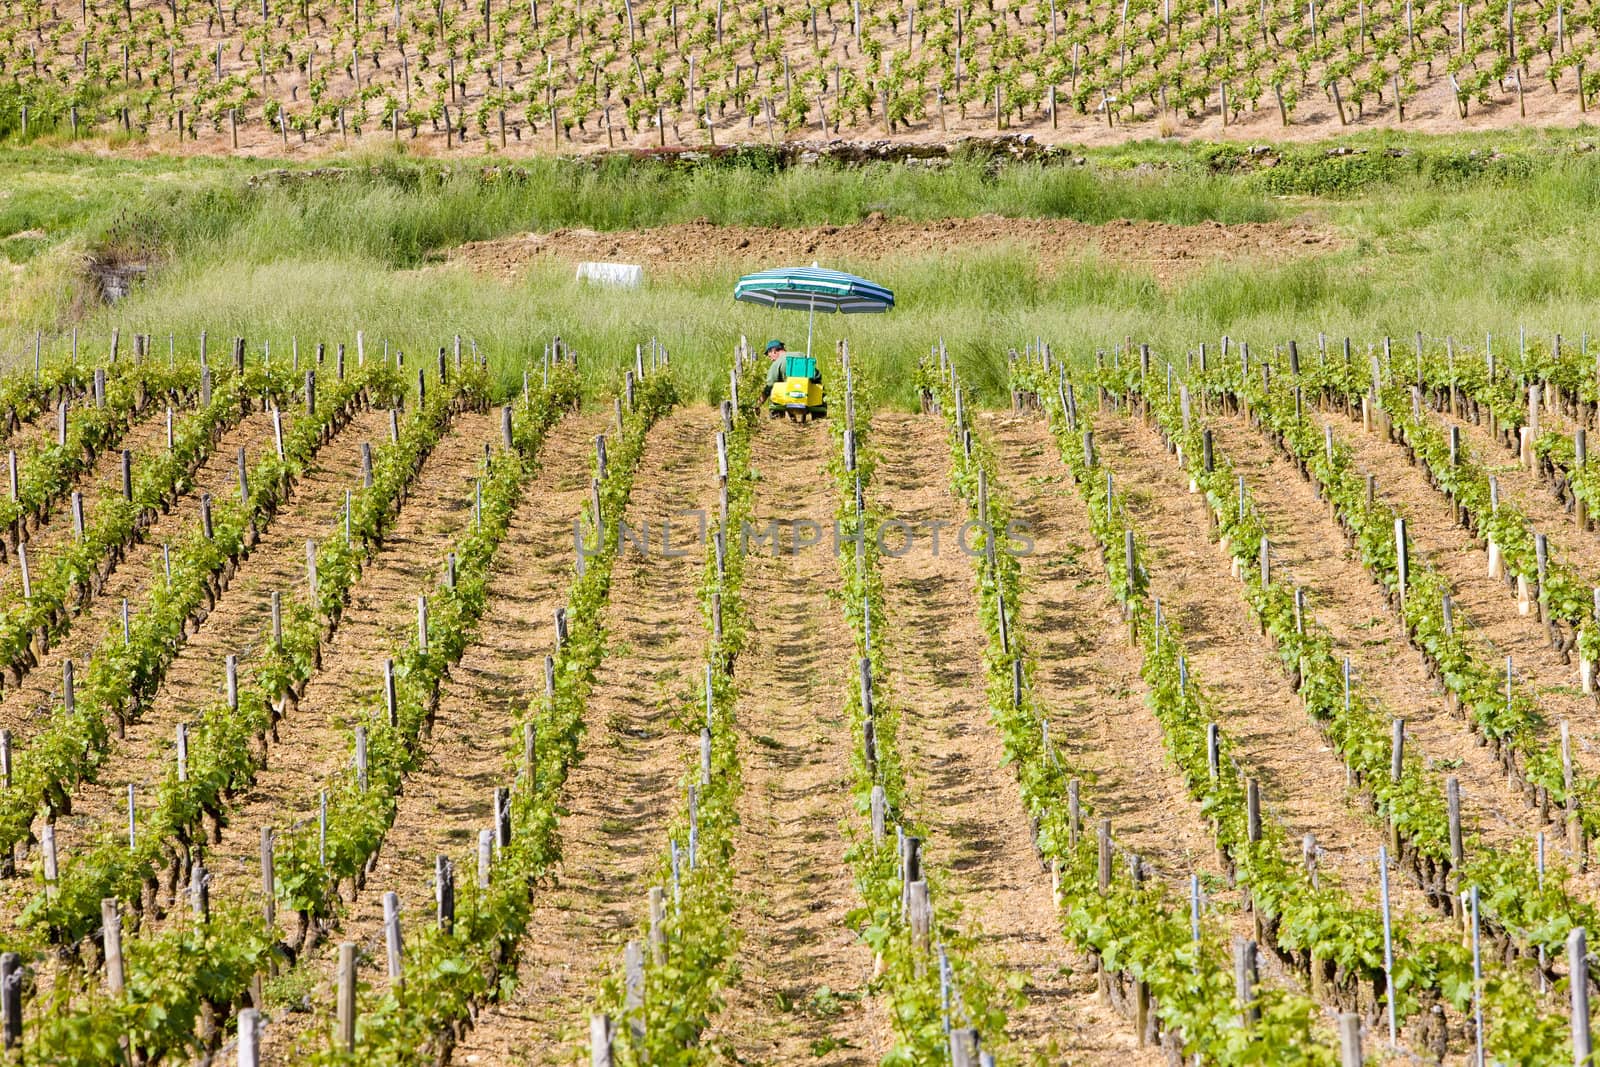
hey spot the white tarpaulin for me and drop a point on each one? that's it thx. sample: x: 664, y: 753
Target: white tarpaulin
x: 616, y: 275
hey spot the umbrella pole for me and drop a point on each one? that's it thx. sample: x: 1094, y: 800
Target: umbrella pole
x: 811, y: 322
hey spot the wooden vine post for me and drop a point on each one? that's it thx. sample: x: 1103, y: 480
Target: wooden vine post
x: 633, y: 986
x: 345, y: 1003
x: 1349, y: 1039
x: 601, y: 1033
x: 1246, y: 979
x: 1452, y: 788
x: 485, y: 857
x: 445, y: 893
x: 920, y: 917
x: 268, y: 878
x: 250, y: 1038
x: 111, y: 942
x: 1577, y: 843
x: 394, y: 947
x: 11, y: 999
x: 1578, y: 970
x: 657, y: 902
x: 1131, y: 562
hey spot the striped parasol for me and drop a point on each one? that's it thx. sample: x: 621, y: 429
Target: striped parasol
x: 813, y: 289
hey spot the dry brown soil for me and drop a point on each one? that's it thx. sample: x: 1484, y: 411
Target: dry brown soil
x: 978, y: 834
x: 1303, y: 781
x: 1166, y: 250
x: 1088, y: 672
x: 1307, y: 550
x: 237, y: 625
x: 39, y: 431
x: 802, y: 970
x: 28, y: 704
x: 1487, y: 604
x: 314, y: 738
x: 1088, y: 675
x: 621, y: 795
x: 1533, y: 494
x: 1430, y: 108
x: 146, y: 431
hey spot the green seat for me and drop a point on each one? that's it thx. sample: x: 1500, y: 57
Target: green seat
x: 799, y: 367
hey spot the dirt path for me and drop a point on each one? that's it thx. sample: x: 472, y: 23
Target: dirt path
x: 978, y: 830
x: 1308, y: 550
x: 803, y: 971
x: 1487, y: 603
x: 1302, y: 779
x: 624, y: 790
x: 236, y: 626
x: 24, y: 707
x: 145, y: 435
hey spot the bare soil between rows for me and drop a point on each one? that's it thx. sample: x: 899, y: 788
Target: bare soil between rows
x: 818, y: 45
x: 624, y: 790
x: 24, y: 706
x: 1166, y: 250
x: 1346, y: 601
x: 146, y: 432
x: 1088, y: 677
x: 1486, y: 604
x: 979, y: 829
x: 39, y: 431
x: 1431, y: 109
x: 236, y: 626
x: 315, y: 738
x: 1303, y: 781
x: 801, y: 991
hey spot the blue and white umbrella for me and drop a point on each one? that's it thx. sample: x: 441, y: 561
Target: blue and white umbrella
x: 813, y: 289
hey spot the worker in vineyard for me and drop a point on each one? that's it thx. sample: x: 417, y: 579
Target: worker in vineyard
x: 775, y: 354
x: 780, y: 372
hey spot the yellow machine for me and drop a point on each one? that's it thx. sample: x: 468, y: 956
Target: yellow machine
x: 798, y: 393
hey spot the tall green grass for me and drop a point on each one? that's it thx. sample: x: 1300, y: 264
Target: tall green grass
x: 978, y: 303
x: 280, y: 256
x: 396, y: 212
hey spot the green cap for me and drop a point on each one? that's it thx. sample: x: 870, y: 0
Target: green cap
x: 774, y: 343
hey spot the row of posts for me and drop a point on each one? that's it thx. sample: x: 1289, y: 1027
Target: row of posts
x: 1246, y: 971
x: 603, y: 1028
